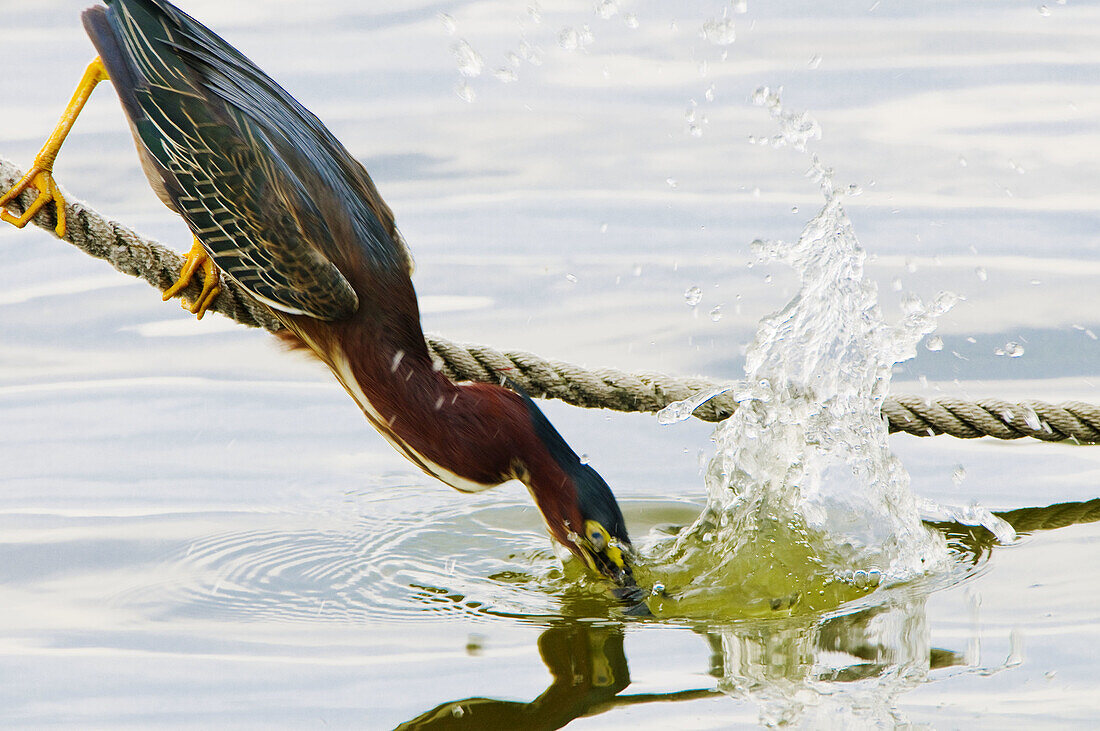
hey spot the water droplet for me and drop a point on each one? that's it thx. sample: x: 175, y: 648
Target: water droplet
x: 603, y: 228
x: 469, y: 61
x: 742, y: 6
x: 934, y: 343
x: 631, y: 21
x: 767, y: 279
x: 709, y: 93
x: 760, y: 96
x: 475, y: 643
x: 505, y: 75
x: 911, y: 265
x: 1015, y: 648
x: 584, y: 459
x: 569, y: 39
x: 794, y: 209
x: 1017, y: 167
x: 1044, y: 11
x: 465, y: 92
x: 1012, y: 349
x: 531, y: 54
x: 675, y: 413
x: 571, y: 277
x: 457, y: 712
x: 607, y: 9
x: 672, y: 183
x: 958, y: 475
x: 716, y: 313
x: 448, y: 23
x: 962, y: 161
x: 944, y: 302
x: 719, y: 32
x: 693, y: 295
x: 637, y: 270
x: 815, y: 61
x: 972, y: 341
x: 911, y: 304
x: 895, y: 284
x: 1091, y: 334
x: 981, y: 274
x: 854, y: 190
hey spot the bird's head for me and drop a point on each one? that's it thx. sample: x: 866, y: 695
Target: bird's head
x: 578, y: 506
x: 599, y: 538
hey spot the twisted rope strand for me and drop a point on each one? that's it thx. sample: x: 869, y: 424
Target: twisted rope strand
x: 605, y: 388
x: 1051, y: 517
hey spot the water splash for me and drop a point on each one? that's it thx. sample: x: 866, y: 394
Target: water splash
x: 607, y: 9
x: 469, y: 62
x: 720, y: 32
x: 807, y: 507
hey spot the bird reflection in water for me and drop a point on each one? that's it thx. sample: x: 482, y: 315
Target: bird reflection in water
x: 794, y: 668
x: 589, y: 670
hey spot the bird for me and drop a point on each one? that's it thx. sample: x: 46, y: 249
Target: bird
x: 277, y: 205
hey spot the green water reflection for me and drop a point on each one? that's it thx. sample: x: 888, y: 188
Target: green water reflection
x: 850, y: 666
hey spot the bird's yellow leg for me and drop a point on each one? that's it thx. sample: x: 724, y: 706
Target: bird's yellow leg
x: 211, y: 280
x: 41, y: 173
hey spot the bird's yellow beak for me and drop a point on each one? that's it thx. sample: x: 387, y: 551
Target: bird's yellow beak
x: 603, y: 554
x: 599, y: 543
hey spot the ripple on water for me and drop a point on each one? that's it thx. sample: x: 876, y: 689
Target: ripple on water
x: 479, y: 557
x: 485, y: 557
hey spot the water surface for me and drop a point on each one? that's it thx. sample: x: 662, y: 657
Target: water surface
x: 199, y: 528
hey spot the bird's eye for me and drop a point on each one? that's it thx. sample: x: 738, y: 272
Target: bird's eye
x: 597, y: 535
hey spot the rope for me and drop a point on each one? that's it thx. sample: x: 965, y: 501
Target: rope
x: 1050, y: 517
x: 975, y: 541
x: 131, y: 253
x: 605, y: 388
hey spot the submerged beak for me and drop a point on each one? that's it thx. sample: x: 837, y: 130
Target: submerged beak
x: 587, y: 504
x: 607, y: 555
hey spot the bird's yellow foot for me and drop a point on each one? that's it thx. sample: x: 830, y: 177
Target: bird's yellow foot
x: 42, y: 179
x: 41, y: 173
x: 211, y: 280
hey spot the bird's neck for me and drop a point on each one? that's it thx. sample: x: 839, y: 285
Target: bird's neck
x: 470, y: 436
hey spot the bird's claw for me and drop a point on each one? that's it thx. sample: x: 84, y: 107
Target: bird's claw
x: 41, y: 177
x: 211, y: 280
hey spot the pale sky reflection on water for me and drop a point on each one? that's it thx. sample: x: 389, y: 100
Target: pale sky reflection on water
x: 199, y: 528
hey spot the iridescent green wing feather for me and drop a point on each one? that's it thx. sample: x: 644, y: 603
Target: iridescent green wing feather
x: 243, y: 162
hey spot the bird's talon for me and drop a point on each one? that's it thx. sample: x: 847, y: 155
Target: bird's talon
x: 41, y: 178
x: 208, y: 299
x: 211, y: 286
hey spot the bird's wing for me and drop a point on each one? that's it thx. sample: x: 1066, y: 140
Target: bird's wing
x: 243, y: 162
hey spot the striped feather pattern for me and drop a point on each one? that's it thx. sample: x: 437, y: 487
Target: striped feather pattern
x: 244, y: 163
